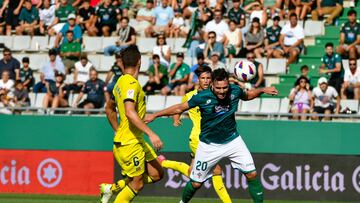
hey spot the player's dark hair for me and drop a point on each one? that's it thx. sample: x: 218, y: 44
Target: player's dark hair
x: 69, y: 31
x: 352, y: 59
x: 202, y: 69
x: 155, y: 56
x: 301, y: 78
x: 351, y: 12
x: 220, y: 75
x: 304, y: 67
x: 7, y: 50
x: 329, y: 44
x: 293, y: 15
x: 130, y: 56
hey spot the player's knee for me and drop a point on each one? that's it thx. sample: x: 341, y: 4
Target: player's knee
x: 251, y: 175
x: 196, y: 185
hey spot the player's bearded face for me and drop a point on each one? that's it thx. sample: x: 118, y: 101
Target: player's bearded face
x: 204, y: 80
x: 220, y: 88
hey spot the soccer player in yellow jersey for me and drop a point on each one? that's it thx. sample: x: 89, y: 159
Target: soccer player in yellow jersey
x: 136, y: 157
x: 204, y: 77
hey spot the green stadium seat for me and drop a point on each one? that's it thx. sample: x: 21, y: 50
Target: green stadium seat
x: 287, y: 79
x: 315, y: 51
x: 321, y: 41
x: 284, y: 89
x: 332, y: 31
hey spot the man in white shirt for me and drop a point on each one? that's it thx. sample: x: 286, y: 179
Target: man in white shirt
x: 218, y: 25
x: 81, y: 73
x: 5, y: 82
x: 323, y: 100
x: 351, y: 85
x: 144, y: 18
x: 291, y: 40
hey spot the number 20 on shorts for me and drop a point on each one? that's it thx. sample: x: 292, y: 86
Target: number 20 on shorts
x: 201, y: 166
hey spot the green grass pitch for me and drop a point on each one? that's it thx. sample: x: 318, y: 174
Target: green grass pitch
x: 25, y: 198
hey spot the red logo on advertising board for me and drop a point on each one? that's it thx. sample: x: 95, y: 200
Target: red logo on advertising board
x: 54, y: 172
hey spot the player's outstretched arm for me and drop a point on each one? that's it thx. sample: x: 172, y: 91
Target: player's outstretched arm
x: 111, y: 115
x: 172, y: 110
x: 254, y: 93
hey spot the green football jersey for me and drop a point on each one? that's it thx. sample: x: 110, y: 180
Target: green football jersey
x: 218, y: 123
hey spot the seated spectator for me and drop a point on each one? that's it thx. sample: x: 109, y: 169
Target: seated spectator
x: 291, y: 40
x: 327, y: 7
x: 257, y: 10
x: 163, y: 50
x: 144, y: 17
x: 193, y: 79
x: 11, y: 64
x: 237, y: 14
x: 11, y: 10
x: 87, y: 18
x: 94, y: 88
x: 272, y: 37
x: 5, y: 101
x: 57, y: 95
x: 218, y: 25
x: 213, y: 46
x: 304, y: 70
x: 48, y: 71
x: 351, y: 85
x: 188, y: 7
x: 2, y: 19
x: 115, y: 72
x: 177, y: 28
x: 29, y: 19
x: 26, y: 74
x: 331, y: 65
x: 258, y: 80
x: 61, y: 16
x: 233, y: 40
x: 179, y: 74
x: 122, y: 8
x: 47, y: 16
x: 70, y: 51
x: 350, y: 37
x: 81, y: 73
x: 304, y: 7
x: 163, y: 16
x: 6, y: 83
x: 127, y: 36
x: 214, y: 62
x: 300, y: 97
x: 323, y: 97
x: 106, y: 18
x: 254, y: 39
x: 69, y: 26
x: 21, y: 96
x: 158, y: 76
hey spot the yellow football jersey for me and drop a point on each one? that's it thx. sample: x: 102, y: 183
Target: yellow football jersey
x: 127, y: 88
x: 195, y: 117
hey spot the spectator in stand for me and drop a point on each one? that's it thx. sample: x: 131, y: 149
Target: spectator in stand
x: 158, y: 76
x: 351, y: 85
x: 86, y: 18
x: 233, y: 40
x: 106, y: 18
x: 94, y: 88
x: 21, y: 96
x: 331, y: 65
x: 6, y: 83
x: 122, y: 8
x: 323, y: 97
x: 214, y: 62
x: 69, y: 26
x: 237, y: 14
x: 300, y: 97
x: 218, y: 25
x: 178, y: 28
x: 163, y: 16
x: 327, y: 7
x: 144, y: 17
x: 179, y: 74
x: 127, y: 37
x: 188, y: 7
x: 29, y: 19
x: 272, y: 38
x: 350, y: 37
x: 81, y: 73
x: 57, y: 95
x: 11, y: 10
x: 304, y: 70
x: 61, y: 16
x: 291, y: 40
x: 193, y: 79
x: 70, y: 51
x: 11, y: 64
x: 259, y: 80
x: 304, y: 7
x: 214, y: 46
x: 5, y: 101
x: 47, y: 72
x: 47, y: 16
x: 2, y: 18
x: 115, y: 72
x: 163, y: 50
x: 257, y: 10
x: 254, y: 39
x: 26, y: 74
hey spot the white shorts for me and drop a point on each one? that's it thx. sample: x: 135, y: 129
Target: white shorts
x: 208, y: 155
x: 57, y: 28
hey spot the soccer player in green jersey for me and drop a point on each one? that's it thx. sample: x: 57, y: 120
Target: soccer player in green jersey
x: 219, y: 137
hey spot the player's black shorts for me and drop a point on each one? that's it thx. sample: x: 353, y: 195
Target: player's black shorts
x: 321, y: 110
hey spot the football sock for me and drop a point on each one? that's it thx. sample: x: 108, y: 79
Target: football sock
x: 118, y: 186
x: 220, y: 189
x: 188, y: 192
x: 177, y: 166
x: 126, y: 195
x: 256, y: 190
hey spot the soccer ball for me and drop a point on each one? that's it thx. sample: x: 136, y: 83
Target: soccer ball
x: 244, y: 70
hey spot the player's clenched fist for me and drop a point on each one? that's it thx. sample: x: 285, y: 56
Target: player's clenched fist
x: 156, y: 142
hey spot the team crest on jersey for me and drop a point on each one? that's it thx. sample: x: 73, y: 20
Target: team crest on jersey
x: 208, y: 101
x: 130, y: 94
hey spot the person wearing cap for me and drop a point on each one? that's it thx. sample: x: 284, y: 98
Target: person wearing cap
x: 215, y: 63
x: 113, y: 74
x: 61, y: 16
x: 193, y: 79
x: 332, y: 8
x: 106, y: 18
x: 48, y: 71
x: 213, y: 46
x: 29, y: 19
x: 177, y: 25
x: 69, y: 26
x: 323, y: 97
x: 350, y: 37
x: 81, y: 73
x: 26, y: 74
x: 254, y: 39
x: 351, y: 85
x: 179, y: 75
x: 158, y: 76
x: 237, y: 14
x: 144, y: 18
x: 272, y: 34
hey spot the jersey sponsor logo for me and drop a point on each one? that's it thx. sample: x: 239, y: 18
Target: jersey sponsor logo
x: 49, y: 173
x: 130, y: 94
x: 221, y: 109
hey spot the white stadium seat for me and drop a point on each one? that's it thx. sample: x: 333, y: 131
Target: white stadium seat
x: 179, y: 42
x: 146, y: 44
x: 270, y: 105
x: 314, y: 28
x: 276, y: 66
x: 51, y: 42
x: 263, y: 61
x: 143, y: 79
x: 145, y: 63
x: 284, y: 105
x: 39, y: 100
x: 32, y: 97
x: 155, y: 103
x: 106, y: 63
x: 108, y: 41
x: 39, y: 43
x: 37, y: 60
x: 252, y: 106
x: 92, y: 44
x: 7, y: 41
x: 21, y: 43
x: 95, y: 60
x: 352, y: 104
x: 172, y: 100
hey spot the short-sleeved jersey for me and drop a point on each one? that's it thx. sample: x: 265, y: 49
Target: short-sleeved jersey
x: 27, y: 75
x: 94, y: 90
x: 181, y: 72
x: 351, y: 32
x: 29, y: 16
x: 195, y: 116
x: 106, y: 16
x: 272, y: 34
x: 236, y: 16
x: 127, y: 88
x: 218, y: 123
x: 330, y: 63
x: 72, y: 47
